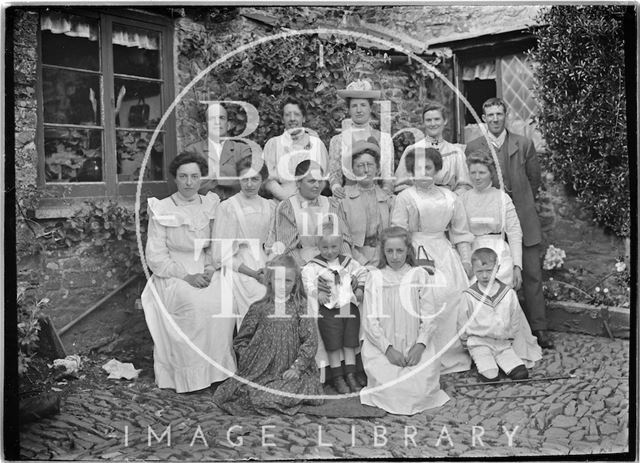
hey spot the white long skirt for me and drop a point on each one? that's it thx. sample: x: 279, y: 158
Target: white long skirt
x: 182, y: 320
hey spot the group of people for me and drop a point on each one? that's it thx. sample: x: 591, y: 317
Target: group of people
x: 388, y: 281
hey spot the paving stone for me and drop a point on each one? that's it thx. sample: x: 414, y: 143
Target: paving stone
x: 366, y: 452
x: 606, y: 428
x: 577, y: 435
x: 562, y: 421
x: 553, y: 411
x: 611, y: 403
x: 556, y: 433
x: 570, y: 409
x: 582, y: 409
x: 605, y: 391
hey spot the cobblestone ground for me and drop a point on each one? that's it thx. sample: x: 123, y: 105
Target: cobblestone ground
x: 584, y: 415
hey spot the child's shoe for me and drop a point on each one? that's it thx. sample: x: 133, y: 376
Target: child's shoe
x: 486, y: 379
x: 353, y: 382
x: 340, y: 385
x: 361, y: 378
x: 519, y: 372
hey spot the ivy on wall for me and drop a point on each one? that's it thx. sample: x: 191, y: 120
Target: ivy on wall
x: 311, y: 68
x: 580, y: 76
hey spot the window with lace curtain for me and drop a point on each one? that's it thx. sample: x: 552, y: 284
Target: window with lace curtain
x: 105, y: 83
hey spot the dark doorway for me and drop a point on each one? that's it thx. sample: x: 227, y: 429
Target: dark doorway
x: 477, y: 92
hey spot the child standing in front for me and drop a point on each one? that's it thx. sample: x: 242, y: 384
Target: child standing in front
x: 400, y: 316
x: 497, y: 334
x: 338, y: 314
x: 276, y: 346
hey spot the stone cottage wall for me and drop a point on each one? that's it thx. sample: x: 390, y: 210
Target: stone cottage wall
x: 72, y: 278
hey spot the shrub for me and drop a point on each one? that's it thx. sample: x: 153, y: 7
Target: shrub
x: 106, y: 227
x: 580, y: 77
x: 29, y: 312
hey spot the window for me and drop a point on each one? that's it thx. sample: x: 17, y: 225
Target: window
x: 106, y: 81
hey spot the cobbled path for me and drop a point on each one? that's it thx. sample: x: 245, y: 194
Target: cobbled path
x: 583, y: 415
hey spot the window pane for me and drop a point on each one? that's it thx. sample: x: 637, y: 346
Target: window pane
x: 136, y: 51
x: 139, y: 103
x: 70, y: 40
x: 73, y: 155
x: 70, y: 97
x: 131, y: 149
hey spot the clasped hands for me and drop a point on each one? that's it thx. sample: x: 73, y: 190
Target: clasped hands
x: 201, y: 280
x: 291, y: 373
x: 411, y: 359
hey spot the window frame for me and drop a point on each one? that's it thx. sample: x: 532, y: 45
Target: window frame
x: 62, y: 199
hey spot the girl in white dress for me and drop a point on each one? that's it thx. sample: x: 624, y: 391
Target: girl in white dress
x: 398, y: 349
x: 182, y: 298
x: 492, y: 217
x: 246, y: 216
x: 428, y: 211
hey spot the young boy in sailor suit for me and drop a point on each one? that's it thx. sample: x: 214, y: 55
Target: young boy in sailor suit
x: 338, y: 314
x: 497, y: 334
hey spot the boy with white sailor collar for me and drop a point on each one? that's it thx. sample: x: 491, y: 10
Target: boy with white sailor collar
x: 338, y: 314
x: 497, y: 334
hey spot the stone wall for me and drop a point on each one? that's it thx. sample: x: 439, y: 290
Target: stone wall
x: 24, y: 91
x: 76, y: 278
x: 73, y: 278
x: 568, y: 226
x: 394, y: 79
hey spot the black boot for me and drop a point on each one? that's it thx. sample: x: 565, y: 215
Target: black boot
x: 544, y: 339
x: 361, y: 378
x: 353, y: 383
x: 519, y: 372
x: 340, y: 385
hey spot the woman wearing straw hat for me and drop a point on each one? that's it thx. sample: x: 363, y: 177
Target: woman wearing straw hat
x: 359, y: 96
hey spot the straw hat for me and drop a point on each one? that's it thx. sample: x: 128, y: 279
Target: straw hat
x: 359, y: 89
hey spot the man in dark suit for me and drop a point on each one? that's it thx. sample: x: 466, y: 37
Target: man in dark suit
x: 521, y: 175
x: 226, y: 155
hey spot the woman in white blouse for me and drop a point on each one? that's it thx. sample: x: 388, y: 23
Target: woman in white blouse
x: 244, y: 216
x: 192, y: 334
x: 492, y: 217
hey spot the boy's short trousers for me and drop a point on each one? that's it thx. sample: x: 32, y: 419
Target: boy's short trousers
x: 489, y: 357
x: 338, y: 332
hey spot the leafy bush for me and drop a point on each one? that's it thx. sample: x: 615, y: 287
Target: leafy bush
x: 580, y: 77
x: 29, y: 313
x: 311, y: 67
x: 106, y: 227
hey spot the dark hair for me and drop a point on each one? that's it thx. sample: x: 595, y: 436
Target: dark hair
x: 494, y: 102
x: 435, y: 106
x: 484, y: 256
x: 303, y: 168
x: 247, y: 163
x: 375, y: 155
x: 429, y: 153
x: 294, y: 101
x: 188, y: 157
x: 396, y: 232
x: 348, y: 100
x: 484, y: 158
